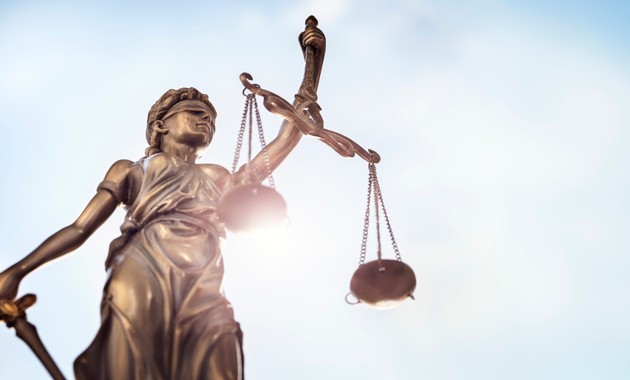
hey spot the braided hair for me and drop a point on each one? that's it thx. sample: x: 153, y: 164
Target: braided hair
x: 155, y: 127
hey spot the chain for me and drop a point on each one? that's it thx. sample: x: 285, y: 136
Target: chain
x: 263, y: 145
x: 241, y: 133
x: 251, y: 107
x: 376, y: 212
x: 375, y: 189
x: 250, y: 98
x: 366, y: 221
x: 379, y: 194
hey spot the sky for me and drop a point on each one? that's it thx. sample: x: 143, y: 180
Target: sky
x: 503, y: 128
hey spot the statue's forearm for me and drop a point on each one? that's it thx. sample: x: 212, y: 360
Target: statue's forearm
x: 281, y: 146
x: 60, y: 243
x: 69, y: 238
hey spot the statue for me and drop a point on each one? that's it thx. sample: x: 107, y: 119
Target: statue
x: 163, y: 315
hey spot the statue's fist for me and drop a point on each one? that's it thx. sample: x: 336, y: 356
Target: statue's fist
x: 312, y: 36
x: 9, y: 284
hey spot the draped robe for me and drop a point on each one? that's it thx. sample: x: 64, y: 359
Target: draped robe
x: 163, y: 313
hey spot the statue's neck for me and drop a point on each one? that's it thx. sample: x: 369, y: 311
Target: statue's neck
x: 183, y: 151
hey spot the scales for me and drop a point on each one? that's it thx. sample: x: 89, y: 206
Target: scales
x: 251, y: 206
x: 381, y: 283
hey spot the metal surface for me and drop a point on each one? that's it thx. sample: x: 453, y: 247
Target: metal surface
x: 383, y: 284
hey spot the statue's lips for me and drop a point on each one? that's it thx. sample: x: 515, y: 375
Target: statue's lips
x: 204, y: 127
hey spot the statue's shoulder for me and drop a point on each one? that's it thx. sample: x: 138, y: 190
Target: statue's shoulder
x: 155, y: 159
x: 214, y: 171
x: 119, y: 179
x: 158, y: 164
x: 119, y: 170
x: 217, y: 173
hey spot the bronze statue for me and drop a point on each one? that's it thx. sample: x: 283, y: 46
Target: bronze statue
x: 163, y: 314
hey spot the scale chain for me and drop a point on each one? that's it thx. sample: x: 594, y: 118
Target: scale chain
x: 250, y: 98
x: 366, y: 221
x: 374, y: 190
x: 376, y: 193
x: 379, y: 194
x: 251, y: 107
x: 263, y: 144
x: 241, y: 133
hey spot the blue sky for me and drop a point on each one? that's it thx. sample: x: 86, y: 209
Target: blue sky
x: 503, y: 128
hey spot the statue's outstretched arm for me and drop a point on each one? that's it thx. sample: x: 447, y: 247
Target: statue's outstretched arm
x: 71, y: 237
x: 313, y: 45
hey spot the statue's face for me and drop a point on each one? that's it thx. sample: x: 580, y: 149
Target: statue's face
x: 193, y: 128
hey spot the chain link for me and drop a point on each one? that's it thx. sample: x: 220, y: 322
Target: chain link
x: 374, y: 189
x: 366, y: 221
x: 376, y: 211
x: 251, y: 108
x: 251, y: 98
x: 241, y: 133
x: 379, y: 194
x: 263, y: 145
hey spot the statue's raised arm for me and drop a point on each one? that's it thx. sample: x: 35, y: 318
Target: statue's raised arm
x: 313, y: 44
x: 304, y: 114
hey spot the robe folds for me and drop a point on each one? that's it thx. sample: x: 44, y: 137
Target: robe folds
x: 163, y: 313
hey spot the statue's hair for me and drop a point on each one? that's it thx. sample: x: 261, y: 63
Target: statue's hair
x: 171, y: 97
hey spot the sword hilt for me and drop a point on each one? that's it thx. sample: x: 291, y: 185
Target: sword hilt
x: 11, y: 310
x: 13, y: 313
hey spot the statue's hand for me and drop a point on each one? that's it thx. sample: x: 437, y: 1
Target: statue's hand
x: 9, y: 284
x: 313, y: 37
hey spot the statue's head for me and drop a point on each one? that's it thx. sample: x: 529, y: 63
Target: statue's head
x: 171, y: 102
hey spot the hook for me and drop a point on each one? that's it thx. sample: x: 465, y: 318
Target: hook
x: 245, y: 80
x: 251, y: 92
x: 375, y: 158
x: 352, y: 303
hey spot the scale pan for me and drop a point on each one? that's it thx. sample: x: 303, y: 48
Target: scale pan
x: 251, y: 206
x: 383, y: 284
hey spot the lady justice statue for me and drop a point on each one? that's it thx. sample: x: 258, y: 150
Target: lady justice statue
x: 163, y: 314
